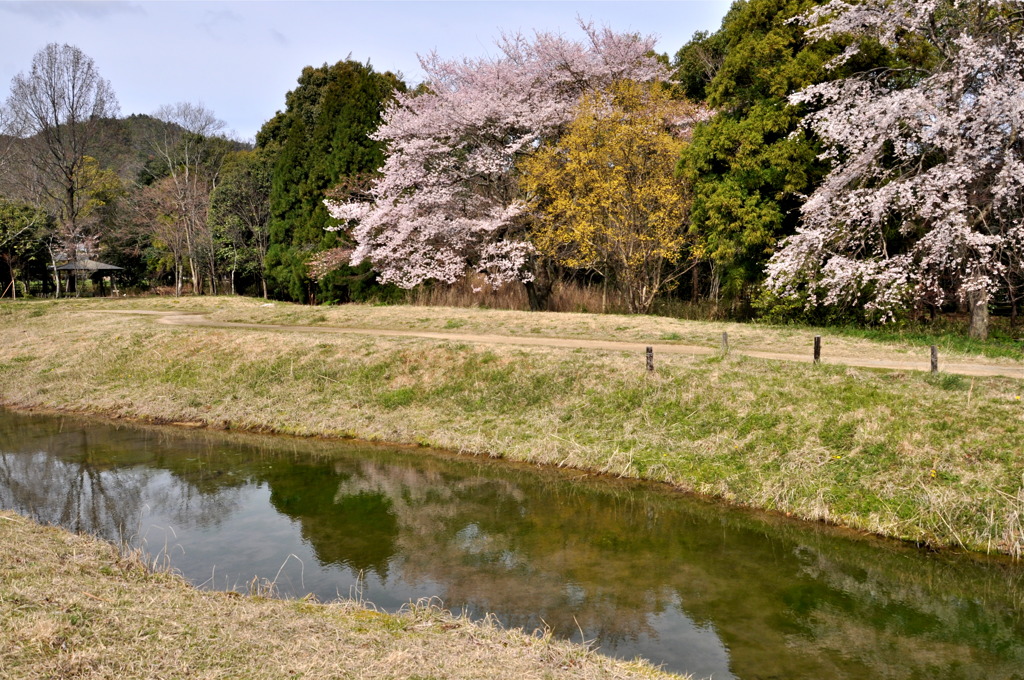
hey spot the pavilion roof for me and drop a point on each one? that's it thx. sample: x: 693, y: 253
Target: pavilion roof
x: 87, y: 266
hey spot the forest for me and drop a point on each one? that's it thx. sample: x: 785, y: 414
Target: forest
x: 816, y: 162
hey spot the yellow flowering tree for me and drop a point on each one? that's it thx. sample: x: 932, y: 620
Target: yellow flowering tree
x: 606, y: 194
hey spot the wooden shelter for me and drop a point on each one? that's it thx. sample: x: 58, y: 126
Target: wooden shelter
x: 90, y: 268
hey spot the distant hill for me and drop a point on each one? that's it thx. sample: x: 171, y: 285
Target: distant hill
x: 126, y: 147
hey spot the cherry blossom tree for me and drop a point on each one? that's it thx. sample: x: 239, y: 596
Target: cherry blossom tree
x: 447, y: 199
x: 926, y: 193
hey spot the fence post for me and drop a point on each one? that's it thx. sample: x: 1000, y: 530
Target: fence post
x: 650, y: 358
x: 725, y: 342
x: 935, y: 359
x: 817, y: 349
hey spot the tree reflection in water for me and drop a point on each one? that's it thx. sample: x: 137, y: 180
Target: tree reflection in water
x: 635, y: 567
x: 103, y: 481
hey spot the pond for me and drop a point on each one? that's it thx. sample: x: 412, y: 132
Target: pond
x: 635, y: 568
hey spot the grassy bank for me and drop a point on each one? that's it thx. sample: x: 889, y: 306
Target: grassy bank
x: 903, y: 454
x: 73, y: 606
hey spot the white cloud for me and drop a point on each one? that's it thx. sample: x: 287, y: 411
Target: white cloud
x: 59, y: 13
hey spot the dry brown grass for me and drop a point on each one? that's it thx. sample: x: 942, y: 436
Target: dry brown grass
x: 474, y: 292
x: 753, y: 338
x: 74, y: 607
x: 896, y: 453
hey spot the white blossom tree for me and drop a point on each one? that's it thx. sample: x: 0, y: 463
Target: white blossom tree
x: 447, y: 200
x: 926, y: 194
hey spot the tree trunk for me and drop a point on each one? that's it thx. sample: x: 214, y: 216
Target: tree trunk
x: 56, y: 274
x: 716, y: 283
x: 1011, y: 291
x: 977, y: 303
x: 213, y: 273
x: 538, y: 291
x: 192, y: 268
x: 14, y: 281
x: 539, y: 295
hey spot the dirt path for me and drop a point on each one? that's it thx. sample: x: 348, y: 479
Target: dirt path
x: 194, y: 319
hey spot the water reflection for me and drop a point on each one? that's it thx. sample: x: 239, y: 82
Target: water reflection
x: 638, y: 569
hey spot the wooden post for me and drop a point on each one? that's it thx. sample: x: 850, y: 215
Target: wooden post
x: 817, y: 349
x: 650, y: 358
x: 725, y: 342
x: 935, y: 359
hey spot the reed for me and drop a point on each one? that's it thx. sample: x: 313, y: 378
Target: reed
x: 474, y: 291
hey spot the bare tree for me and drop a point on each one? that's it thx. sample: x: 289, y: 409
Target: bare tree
x: 155, y: 212
x: 192, y: 148
x: 56, y: 113
x: 6, y: 143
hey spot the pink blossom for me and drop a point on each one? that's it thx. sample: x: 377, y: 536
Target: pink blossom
x: 447, y: 201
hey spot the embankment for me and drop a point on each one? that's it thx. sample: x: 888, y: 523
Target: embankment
x: 900, y: 453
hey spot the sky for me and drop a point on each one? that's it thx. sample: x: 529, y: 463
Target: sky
x: 239, y: 58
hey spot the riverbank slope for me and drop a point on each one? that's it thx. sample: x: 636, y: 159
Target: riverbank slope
x: 73, y: 606
x: 900, y: 453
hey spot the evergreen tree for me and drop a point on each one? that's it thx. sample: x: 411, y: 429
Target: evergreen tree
x: 321, y: 137
x: 751, y: 164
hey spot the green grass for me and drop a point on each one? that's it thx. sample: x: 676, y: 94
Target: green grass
x: 946, y: 334
x: 933, y: 459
